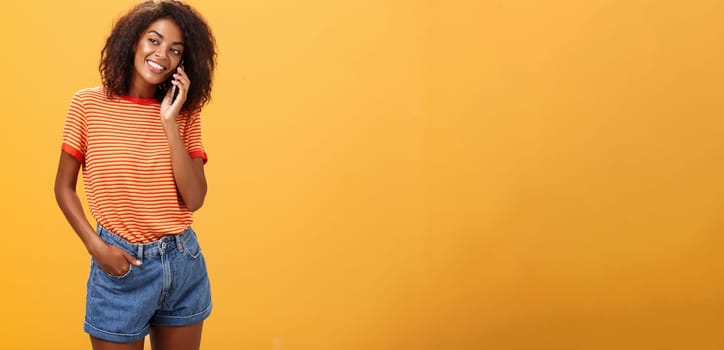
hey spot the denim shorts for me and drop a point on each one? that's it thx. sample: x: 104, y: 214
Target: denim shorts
x: 170, y: 288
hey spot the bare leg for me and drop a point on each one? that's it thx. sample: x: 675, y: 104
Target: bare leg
x: 177, y: 338
x: 107, y: 345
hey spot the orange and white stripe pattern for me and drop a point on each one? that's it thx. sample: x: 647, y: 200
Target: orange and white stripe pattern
x: 126, y: 162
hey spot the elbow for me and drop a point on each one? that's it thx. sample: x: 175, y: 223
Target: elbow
x: 194, y: 198
x: 59, y: 190
x: 195, y: 205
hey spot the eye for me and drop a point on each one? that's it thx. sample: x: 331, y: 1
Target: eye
x: 153, y: 41
x: 176, y: 52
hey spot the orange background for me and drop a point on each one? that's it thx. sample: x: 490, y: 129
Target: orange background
x: 409, y: 174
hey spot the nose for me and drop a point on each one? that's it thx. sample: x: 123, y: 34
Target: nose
x: 160, y: 52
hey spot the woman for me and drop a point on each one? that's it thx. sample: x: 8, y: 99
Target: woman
x: 138, y: 140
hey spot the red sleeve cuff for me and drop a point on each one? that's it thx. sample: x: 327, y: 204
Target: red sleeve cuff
x: 199, y: 154
x: 74, y: 152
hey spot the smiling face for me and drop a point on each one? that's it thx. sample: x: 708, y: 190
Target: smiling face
x: 157, y: 54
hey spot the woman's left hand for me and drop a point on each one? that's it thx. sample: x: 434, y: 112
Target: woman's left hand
x: 170, y: 109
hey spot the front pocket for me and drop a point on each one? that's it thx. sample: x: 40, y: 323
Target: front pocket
x: 191, y: 246
x: 130, y: 269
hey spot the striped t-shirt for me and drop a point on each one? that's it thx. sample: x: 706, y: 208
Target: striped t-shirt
x: 126, y: 162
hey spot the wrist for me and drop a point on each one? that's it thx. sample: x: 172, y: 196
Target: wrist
x: 95, y: 247
x: 169, y: 122
x: 170, y: 127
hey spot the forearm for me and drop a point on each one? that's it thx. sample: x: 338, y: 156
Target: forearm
x: 65, y: 183
x: 69, y: 203
x: 187, y: 172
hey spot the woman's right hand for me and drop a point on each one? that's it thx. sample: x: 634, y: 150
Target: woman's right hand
x: 113, y: 260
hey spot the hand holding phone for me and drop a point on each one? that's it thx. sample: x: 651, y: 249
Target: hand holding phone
x: 175, y: 88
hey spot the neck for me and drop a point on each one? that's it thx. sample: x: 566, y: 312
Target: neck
x: 140, y: 89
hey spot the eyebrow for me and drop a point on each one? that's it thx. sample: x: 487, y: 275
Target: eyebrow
x: 159, y: 34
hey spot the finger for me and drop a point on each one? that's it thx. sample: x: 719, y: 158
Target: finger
x: 184, y: 80
x: 181, y: 89
x: 182, y: 75
x: 179, y: 74
x: 169, y: 93
x: 131, y: 259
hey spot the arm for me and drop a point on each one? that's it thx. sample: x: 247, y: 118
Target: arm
x: 187, y: 172
x: 111, y: 259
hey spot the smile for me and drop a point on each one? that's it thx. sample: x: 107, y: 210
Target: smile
x: 155, y: 67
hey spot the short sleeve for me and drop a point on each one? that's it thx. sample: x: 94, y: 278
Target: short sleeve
x: 75, y: 131
x: 192, y: 137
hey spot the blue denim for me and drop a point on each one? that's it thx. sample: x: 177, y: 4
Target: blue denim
x: 170, y: 288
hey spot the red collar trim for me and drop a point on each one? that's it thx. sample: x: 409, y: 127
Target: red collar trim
x: 140, y: 100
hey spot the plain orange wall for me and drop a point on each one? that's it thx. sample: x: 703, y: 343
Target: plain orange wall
x: 409, y: 174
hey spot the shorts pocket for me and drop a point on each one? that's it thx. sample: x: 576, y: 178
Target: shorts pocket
x: 130, y: 269
x: 191, y: 246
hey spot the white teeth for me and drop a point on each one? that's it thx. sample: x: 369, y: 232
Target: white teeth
x: 156, y: 65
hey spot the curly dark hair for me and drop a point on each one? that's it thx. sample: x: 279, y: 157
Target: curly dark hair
x: 116, y: 65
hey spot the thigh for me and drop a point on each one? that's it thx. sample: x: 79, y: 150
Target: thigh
x: 177, y: 337
x: 99, y: 344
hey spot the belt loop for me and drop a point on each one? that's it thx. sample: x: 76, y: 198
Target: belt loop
x: 179, y: 243
x: 140, y: 252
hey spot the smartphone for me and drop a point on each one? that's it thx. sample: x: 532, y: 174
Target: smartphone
x: 175, y: 88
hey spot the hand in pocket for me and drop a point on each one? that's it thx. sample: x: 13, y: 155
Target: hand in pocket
x: 114, y: 261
